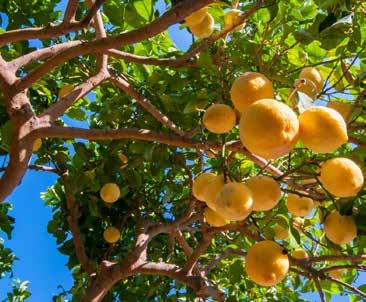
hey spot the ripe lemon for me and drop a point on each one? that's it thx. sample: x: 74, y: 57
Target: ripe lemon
x: 266, y: 263
x: 37, y: 144
x: 234, y: 201
x: 307, y: 87
x: 213, y: 218
x: 299, y: 205
x: 249, y: 88
x: 110, y: 193
x: 197, y: 17
x: 232, y: 17
x: 313, y: 75
x: 343, y: 109
x: 281, y: 233
x: 269, y: 128
x: 205, y: 28
x: 219, y: 118
x: 212, y: 189
x: 336, y: 273
x: 266, y: 192
x: 200, y: 183
x: 300, y: 254
x: 65, y: 90
x: 340, y: 229
x: 111, y: 235
x: 322, y: 129
x: 341, y: 177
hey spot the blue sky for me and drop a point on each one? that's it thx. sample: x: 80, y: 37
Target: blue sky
x: 39, y: 261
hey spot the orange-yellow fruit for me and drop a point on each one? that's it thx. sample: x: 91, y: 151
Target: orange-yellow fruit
x: 37, y: 144
x: 111, y: 235
x: 336, y: 273
x: 200, y: 183
x: 340, y: 229
x: 219, y: 118
x: 341, y: 177
x: 322, y: 129
x: 266, y: 263
x: 313, y: 75
x: 205, y: 28
x: 232, y: 17
x: 281, y: 233
x: 213, y: 218
x: 65, y: 90
x: 298, y: 223
x: 300, y: 254
x: 266, y: 192
x: 110, y: 193
x: 343, y: 109
x: 197, y: 17
x: 307, y: 87
x: 234, y: 201
x: 211, y: 190
x: 123, y: 158
x: 299, y: 205
x: 269, y: 128
x: 249, y: 88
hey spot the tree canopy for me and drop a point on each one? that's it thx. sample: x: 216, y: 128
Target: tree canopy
x: 100, y: 94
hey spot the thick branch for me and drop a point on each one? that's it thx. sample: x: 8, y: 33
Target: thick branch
x: 177, y: 14
x: 67, y: 101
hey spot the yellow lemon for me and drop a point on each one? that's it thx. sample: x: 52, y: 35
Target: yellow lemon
x: 266, y: 263
x: 234, y: 201
x: 313, y: 75
x: 300, y: 254
x: 110, y: 193
x: 249, y: 88
x: 200, y: 183
x: 341, y: 177
x: 340, y: 229
x: 269, y: 128
x: 343, y: 109
x: 111, y: 235
x: 213, y: 218
x: 37, y: 144
x: 266, y: 192
x: 232, y: 17
x: 205, y: 28
x: 212, y: 189
x: 322, y: 129
x: 281, y: 233
x: 299, y: 205
x: 197, y: 17
x: 219, y: 118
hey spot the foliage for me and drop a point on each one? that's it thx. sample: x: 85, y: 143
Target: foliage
x: 278, y: 41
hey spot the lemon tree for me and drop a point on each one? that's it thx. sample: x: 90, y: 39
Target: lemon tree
x: 232, y: 170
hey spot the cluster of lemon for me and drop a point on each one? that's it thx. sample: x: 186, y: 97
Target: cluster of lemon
x: 110, y: 193
x: 201, y: 23
x: 271, y: 129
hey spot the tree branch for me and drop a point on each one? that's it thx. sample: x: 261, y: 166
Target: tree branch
x: 218, y: 258
x: 70, y: 11
x: 72, y: 220
x: 67, y: 101
x: 125, y: 86
x: 176, y: 14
